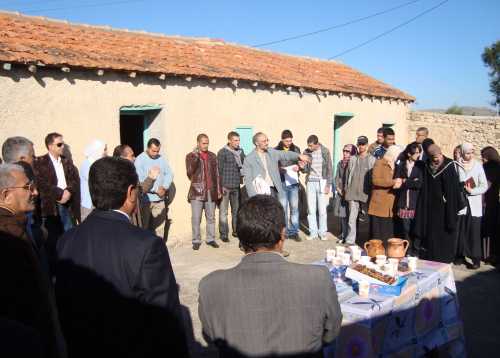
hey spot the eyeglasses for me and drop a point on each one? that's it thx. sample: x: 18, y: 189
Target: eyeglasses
x: 30, y: 187
x: 60, y: 144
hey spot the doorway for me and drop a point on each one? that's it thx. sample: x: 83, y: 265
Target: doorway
x: 339, y: 120
x: 132, y: 132
x: 134, y: 125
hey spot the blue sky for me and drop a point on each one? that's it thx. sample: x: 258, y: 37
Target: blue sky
x: 436, y: 58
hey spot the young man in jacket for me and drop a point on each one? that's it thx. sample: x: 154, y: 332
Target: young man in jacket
x: 357, y: 186
x: 318, y: 185
x: 289, y: 197
x: 230, y: 160
x: 205, y: 189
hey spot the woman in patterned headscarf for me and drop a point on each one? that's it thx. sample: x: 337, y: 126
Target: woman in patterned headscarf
x: 340, y: 206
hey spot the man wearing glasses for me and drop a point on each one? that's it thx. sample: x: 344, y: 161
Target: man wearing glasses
x: 25, y: 296
x: 59, y: 188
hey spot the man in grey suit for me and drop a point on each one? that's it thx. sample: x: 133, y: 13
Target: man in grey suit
x: 264, y: 162
x: 266, y: 306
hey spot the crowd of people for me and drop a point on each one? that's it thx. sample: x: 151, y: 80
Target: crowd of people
x: 86, y: 268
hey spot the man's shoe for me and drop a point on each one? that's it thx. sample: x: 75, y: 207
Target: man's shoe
x: 235, y: 234
x: 224, y: 239
x: 310, y: 238
x: 285, y: 253
x: 475, y: 264
x: 295, y: 237
x: 459, y: 261
x: 196, y: 246
x: 213, y: 244
x: 323, y: 238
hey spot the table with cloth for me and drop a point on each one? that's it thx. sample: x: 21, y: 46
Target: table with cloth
x: 425, y: 316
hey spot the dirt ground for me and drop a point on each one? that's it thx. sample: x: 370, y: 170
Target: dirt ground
x: 479, y: 291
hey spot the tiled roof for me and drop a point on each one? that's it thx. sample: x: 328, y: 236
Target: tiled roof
x: 25, y: 39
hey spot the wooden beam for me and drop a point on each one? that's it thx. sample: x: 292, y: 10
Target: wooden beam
x: 65, y: 69
x: 234, y: 83
x: 319, y: 92
x: 7, y: 66
x: 40, y: 64
x: 273, y: 86
x: 32, y: 68
x: 162, y: 77
x: 132, y: 74
x: 289, y: 88
x: 189, y: 78
x: 213, y: 80
x: 255, y: 84
x: 100, y: 72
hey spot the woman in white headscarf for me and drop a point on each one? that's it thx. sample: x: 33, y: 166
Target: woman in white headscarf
x: 94, y: 151
x: 382, y: 198
x: 473, y: 180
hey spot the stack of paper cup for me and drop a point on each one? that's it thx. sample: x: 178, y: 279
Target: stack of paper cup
x: 364, y: 288
x: 412, y: 263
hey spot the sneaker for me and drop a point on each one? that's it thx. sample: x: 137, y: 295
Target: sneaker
x: 213, y: 244
x: 310, y: 238
x: 323, y: 238
x: 224, y: 239
x: 196, y: 246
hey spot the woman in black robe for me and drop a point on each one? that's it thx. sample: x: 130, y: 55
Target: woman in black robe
x: 491, y: 217
x: 437, y: 210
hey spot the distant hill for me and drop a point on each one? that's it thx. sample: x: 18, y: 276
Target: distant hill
x: 467, y: 111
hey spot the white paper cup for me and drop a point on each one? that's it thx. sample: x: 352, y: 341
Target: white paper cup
x: 364, y: 260
x: 412, y: 263
x: 346, y: 259
x: 340, y: 250
x: 395, y: 263
x: 390, y: 269
x: 381, y: 257
x: 330, y: 254
x: 364, y: 288
x: 356, y: 255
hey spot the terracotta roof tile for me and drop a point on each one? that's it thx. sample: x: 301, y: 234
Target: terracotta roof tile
x: 25, y: 39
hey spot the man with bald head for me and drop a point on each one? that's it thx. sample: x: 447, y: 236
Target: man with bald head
x: 437, y: 212
x: 261, y: 167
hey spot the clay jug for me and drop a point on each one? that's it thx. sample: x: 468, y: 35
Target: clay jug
x: 396, y: 248
x: 374, y: 248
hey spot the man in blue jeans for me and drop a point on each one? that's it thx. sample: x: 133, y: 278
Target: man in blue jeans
x: 318, y: 183
x: 289, y: 198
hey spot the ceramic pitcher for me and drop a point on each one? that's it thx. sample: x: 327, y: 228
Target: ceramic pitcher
x: 374, y: 248
x: 396, y: 248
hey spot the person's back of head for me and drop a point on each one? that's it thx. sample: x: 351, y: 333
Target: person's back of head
x: 16, y: 149
x: 112, y: 183
x: 261, y: 223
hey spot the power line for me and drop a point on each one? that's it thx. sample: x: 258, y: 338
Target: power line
x: 85, y: 6
x: 389, y: 31
x: 335, y: 26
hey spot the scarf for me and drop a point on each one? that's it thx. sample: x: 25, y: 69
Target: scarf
x: 237, y: 156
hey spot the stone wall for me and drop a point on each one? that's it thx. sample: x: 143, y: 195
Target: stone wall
x: 449, y: 130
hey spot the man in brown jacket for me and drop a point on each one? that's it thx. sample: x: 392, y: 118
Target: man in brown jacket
x: 205, y: 189
x: 59, y: 188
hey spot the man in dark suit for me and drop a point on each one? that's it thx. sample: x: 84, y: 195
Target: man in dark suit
x: 59, y: 188
x: 265, y: 305
x: 115, y: 287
